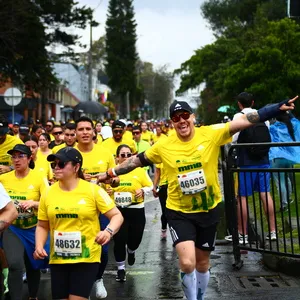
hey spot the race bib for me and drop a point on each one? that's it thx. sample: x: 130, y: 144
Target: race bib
x: 123, y: 199
x: 192, y: 182
x: 67, y: 243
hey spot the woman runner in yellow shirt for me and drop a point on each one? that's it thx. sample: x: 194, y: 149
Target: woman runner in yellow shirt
x: 69, y: 210
x: 129, y: 198
x: 24, y: 186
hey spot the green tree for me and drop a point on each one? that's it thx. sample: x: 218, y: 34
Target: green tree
x: 221, y: 13
x: 121, y: 54
x: 27, y: 28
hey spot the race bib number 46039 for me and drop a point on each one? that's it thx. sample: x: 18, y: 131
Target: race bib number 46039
x: 67, y: 243
x: 192, y: 182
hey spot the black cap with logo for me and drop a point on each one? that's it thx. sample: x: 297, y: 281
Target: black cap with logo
x: 180, y: 105
x: 67, y: 154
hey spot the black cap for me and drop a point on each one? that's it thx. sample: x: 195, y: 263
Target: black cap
x: 179, y: 105
x: 118, y: 124
x: 20, y: 148
x: 67, y: 154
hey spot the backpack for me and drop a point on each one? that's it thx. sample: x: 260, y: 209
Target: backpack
x: 256, y: 134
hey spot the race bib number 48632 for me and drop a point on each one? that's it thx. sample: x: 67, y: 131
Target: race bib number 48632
x: 192, y: 182
x: 67, y: 243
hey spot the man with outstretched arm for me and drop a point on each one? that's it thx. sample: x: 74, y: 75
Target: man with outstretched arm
x: 190, y: 159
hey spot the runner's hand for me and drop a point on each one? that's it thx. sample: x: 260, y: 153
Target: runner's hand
x: 4, y: 169
x: 290, y: 105
x: 103, y: 178
x: 155, y: 193
x: 103, y: 237
x: 27, y: 204
x: 139, y: 193
x: 87, y: 177
x: 40, y: 253
x: 109, y: 190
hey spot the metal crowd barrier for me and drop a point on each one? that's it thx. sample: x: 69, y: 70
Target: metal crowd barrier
x: 259, y: 218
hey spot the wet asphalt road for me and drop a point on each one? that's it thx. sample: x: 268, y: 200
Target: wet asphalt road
x: 155, y: 273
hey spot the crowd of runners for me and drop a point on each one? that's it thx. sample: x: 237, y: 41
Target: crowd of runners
x: 79, y: 185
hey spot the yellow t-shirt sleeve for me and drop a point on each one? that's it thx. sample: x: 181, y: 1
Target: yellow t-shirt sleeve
x: 111, y: 162
x: 146, y: 180
x: 220, y: 133
x: 152, y: 153
x: 103, y: 201
x: 42, y: 212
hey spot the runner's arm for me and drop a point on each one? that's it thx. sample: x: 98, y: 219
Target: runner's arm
x: 41, y: 235
x: 260, y: 115
x: 7, y: 215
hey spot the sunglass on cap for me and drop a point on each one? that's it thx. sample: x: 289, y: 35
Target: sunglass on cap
x: 58, y: 132
x: 60, y: 164
x: 184, y: 115
x: 135, y: 132
x: 123, y: 155
x: 118, y: 131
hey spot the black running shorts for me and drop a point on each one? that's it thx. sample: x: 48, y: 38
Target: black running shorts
x: 73, y: 279
x: 198, y: 227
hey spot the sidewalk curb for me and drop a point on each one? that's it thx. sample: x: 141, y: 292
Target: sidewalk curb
x: 287, y: 265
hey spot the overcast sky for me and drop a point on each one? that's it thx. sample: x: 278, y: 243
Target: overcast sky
x: 168, y: 30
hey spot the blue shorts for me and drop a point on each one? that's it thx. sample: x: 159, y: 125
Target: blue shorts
x: 250, y: 182
x: 104, y: 221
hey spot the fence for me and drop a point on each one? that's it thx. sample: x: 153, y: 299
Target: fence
x: 258, y: 214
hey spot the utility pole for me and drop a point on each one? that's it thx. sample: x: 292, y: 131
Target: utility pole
x: 90, y: 63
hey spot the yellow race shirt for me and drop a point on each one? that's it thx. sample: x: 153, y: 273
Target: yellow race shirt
x: 43, y: 166
x: 73, y: 221
x: 192, y: 168
x: 129, y: 183
x: 147, y: 136
x: 112, y: 145
x: 127, y: 135
x: 9, y: 143
x: 156, y: 137
x: 63, y: 145
x: 22, y: 189
x: 99, y: 160
x: 40, y: 154
x: 163, y: 180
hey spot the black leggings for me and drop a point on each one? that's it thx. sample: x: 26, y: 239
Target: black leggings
x: 163, y: 195
x: 130, y: 233
x: 16, y: 256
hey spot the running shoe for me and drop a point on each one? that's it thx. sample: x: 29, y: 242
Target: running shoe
x: 272, y: 236
x: 101, y: 292
x: 131, y: 258
x: 121, y: 276
x: 243, y: 238
x: 163, y: 236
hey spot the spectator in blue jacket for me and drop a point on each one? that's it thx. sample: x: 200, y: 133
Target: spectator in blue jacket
x: 285, y: 129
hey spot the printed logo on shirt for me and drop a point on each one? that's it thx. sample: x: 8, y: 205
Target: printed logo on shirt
x: 81, y: 201
x: 31, y: 187
x: 100, y: 162
x: 200, y: 147
x: 205, y: 245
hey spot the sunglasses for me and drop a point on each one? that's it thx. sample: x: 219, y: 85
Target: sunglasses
x: 19, y: 156
x: 118, y: 131
x: 135, y: 132
x: 123, y: 155
x: 58, y: 132
x: 176, y: 118
x: 60, y: 164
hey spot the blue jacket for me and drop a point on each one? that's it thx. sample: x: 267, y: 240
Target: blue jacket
x: 279, y: 134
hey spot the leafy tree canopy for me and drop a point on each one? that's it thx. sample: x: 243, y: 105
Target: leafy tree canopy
x: 27, y: 28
